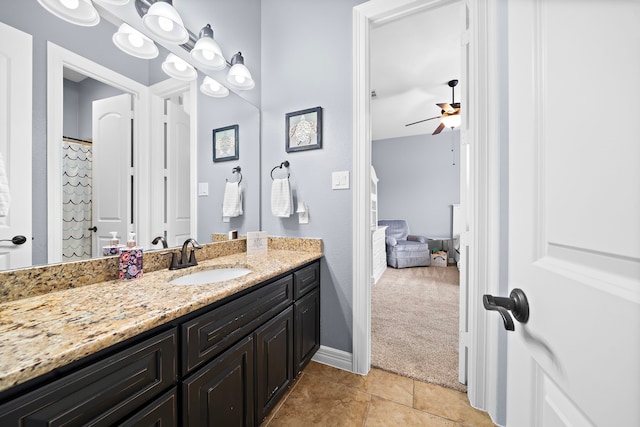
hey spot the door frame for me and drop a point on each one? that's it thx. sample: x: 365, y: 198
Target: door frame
x: 58, y: 58
x: 486, y: 374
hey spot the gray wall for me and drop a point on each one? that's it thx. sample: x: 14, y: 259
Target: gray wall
x: 419, y: 180
x: 78, y: 106
x: 215, y: 113
x: 307, y: 63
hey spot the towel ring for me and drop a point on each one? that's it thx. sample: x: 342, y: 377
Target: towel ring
x: 237, y: 170
x: 285, y: 164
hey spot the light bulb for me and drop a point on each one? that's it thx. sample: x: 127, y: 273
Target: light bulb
x: 70, y: 4
x: 180, y: 65
x: 208, y: 55
x: 214, y: 85
x: 135, y: 40
x: 165, y: 23
x: 240, y: 79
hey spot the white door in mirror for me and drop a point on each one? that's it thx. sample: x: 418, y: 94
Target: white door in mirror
x: 15, y: 146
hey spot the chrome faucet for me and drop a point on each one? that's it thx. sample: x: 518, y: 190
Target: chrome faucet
x: 184, y: 260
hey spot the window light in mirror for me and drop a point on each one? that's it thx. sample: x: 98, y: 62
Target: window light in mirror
x: 212, y: 87
x: 133, y: 42
x: 239, y: 76
x: 165, y: 22
x: 78, y: 12
x: 207, y: 52
x: 178, y: 68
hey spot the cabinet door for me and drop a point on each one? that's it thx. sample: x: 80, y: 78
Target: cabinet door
x: 274, y: 362
x: 162, y: 412
x: 102, y: 393
x: 221, y: 392
x: 307, y: 328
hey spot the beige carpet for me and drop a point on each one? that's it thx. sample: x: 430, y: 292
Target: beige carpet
x: 414, y: 324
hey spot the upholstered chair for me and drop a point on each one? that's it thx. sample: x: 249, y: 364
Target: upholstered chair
x: 404, y: 249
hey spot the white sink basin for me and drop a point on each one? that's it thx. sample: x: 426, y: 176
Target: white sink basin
x: 210, y: 276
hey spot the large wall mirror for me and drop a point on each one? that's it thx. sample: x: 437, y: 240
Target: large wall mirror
x: 137, y: 144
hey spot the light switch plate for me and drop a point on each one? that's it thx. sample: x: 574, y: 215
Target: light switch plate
x: 203, y: 189
x: 340, y: 180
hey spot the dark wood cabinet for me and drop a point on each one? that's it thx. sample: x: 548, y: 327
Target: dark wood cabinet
x: 307, y: 329
x: 237, y: 359
x: 222, y: 392
x: 102, y: 393
x: 274, y: 362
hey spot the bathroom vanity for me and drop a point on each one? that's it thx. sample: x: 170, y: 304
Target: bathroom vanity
x: 223, y: 353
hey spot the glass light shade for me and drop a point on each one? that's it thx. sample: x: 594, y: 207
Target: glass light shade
x: 239, y: 76
x: 165, y: 22
x: 208, y: 54
x: 178, y: 68
x: 212, y: 88
x: 452, y: 121
x: 135, y: 43
x: 116, y: 2
x: 78, y: 12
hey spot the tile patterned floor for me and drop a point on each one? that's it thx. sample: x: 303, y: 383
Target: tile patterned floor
x: 326, y: 396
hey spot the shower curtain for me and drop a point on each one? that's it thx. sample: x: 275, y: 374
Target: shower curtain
x: 76, y: 200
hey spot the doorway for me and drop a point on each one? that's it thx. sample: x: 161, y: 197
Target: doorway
x: 417, y: 163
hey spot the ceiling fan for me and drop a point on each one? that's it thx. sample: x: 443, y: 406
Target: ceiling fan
x: 450, y: 115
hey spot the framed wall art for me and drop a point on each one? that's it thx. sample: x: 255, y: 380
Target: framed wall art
x: 304, y: 130
x: 226, y: 144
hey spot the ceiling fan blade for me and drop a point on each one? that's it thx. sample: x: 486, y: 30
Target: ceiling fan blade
x: 446, y: 108
x: 420, y: 121
x: 438, y: 129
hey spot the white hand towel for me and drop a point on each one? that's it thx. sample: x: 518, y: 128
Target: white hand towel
x: 232, y: 202
x: 281, y: 199
x: 5, y: 194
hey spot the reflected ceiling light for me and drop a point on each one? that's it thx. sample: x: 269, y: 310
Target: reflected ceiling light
x: 206, y: 51
x: 212, y: 88
x: 179, y: 68
x: 79, y: 12
x: 135, y: 43
x: 165, y: 22
x: 451, y: 120
x: 239, y: 76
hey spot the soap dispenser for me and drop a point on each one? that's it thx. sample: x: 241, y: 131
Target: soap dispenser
x: 131, y: 257
x: 114, y: 245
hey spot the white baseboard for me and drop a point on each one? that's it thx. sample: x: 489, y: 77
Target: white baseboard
x: 334, y: 357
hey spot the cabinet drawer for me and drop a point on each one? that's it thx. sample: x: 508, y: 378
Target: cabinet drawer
x: 102, y: 393
x: 210, y: 334
x: 162, y: 412
x: 306, y: 279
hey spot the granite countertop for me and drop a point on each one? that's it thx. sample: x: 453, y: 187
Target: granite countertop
x: 45, y: 332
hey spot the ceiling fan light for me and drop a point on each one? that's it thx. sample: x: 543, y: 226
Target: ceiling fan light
x: 213, y: 88
x: 239, y: 76
x: 207, y: 52
x: 133, y: 42
x: 452, y: 120
x: 78, y: 12
x: 178, y: 68
x: 163, y: 20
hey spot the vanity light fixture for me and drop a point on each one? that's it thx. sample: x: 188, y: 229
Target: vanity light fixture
x: 163, y: 20
x: 239, y: 76
x: 178, y: 68
x: 207, y: 52
x: 133, y: 42
x: 78, y: 12
x: 116, y: 2
x: 213, y: 88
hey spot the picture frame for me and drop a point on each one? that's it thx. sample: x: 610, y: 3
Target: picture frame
x: 303, y: 130
x: 226, y: 144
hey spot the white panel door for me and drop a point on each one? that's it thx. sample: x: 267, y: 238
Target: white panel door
x: 178, y: 175
x: 15, y: 145
x: 574, y: 215
x: 112, y: 170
